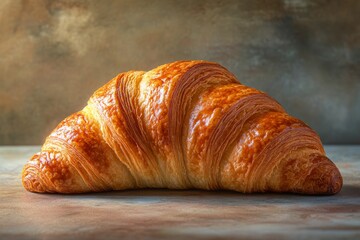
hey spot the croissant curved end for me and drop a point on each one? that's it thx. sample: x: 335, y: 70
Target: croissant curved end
x: 324, y: 179
x: 30, y: 180
x: 32, y: 176
x: 47, y: 172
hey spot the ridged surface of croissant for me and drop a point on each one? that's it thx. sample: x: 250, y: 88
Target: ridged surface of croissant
x: 183, y: 125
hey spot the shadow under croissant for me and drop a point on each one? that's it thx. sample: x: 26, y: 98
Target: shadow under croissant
x: 228, y: 198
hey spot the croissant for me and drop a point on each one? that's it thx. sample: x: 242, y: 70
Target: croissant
x: 182, y: 125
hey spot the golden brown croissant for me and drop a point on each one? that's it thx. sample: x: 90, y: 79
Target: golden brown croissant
x: 187, y: 124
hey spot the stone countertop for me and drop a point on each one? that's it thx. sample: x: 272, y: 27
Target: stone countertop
x: 163, y: 214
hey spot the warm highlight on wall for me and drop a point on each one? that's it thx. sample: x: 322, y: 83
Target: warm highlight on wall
x: 55, y: 54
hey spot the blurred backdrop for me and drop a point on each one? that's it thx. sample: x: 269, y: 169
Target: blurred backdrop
x: 54, y: 54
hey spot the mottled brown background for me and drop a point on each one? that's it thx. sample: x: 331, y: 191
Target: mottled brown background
x: 54, y: 54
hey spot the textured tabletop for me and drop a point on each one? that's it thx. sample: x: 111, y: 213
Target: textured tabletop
x: 162, y: 214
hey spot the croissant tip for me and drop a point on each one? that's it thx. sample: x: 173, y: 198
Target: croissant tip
x: 31, y: 181
x: 31, y: 175
x: 326, y: 179
x: 336, y: 182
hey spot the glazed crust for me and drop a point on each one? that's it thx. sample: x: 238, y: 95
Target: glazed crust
x: 182, y: 125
